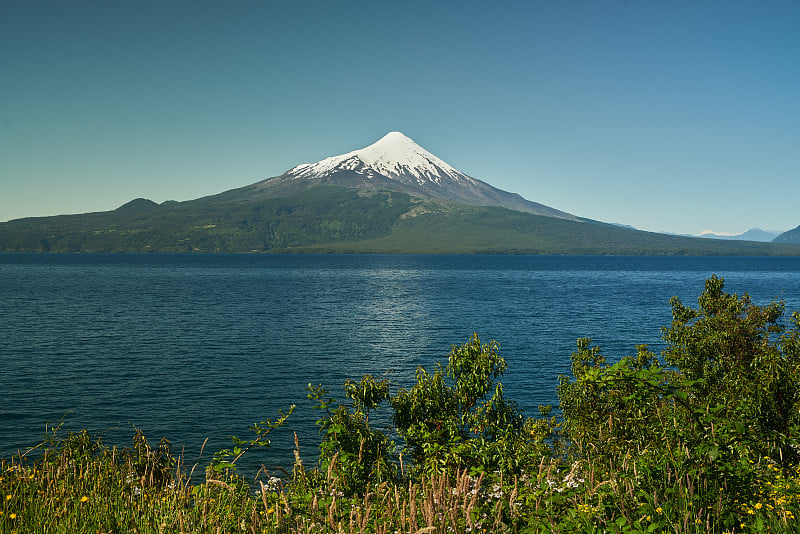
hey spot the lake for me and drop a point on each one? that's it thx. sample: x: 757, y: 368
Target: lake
x: 191, y: 347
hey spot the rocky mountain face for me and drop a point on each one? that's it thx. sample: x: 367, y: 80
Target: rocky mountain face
x: 397, y: 163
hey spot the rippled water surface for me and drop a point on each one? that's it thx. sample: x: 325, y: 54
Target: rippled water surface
x: 201, y: 346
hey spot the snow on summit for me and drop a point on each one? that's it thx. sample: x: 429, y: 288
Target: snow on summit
x: 394, y: 155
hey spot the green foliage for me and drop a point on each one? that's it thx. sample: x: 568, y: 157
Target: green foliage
x: 351, y: 454
x: 465, y: 423
x: 729, y: 346
x: 225, y: 459
x: 695, y: 431
x: 452, y: 418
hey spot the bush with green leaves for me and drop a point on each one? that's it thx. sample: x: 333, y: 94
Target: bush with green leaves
x: 455, y: 417
x: 459, y: 417
x: 696, y: 429
x: 744, y: 362
x: 352, y: 454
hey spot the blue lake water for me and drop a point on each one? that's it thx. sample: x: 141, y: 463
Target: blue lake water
x: 191, y: 347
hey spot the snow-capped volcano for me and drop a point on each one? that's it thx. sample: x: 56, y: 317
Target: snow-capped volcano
x: 397, y: 163
x: 394, y: 155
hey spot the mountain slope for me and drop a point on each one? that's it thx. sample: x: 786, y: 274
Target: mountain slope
x: 464, y: 229
x: 326, y: 219
x: 789, y: 236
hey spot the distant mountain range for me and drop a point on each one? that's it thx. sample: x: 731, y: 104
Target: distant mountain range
x: 754, y: 234
x: 390, y: 197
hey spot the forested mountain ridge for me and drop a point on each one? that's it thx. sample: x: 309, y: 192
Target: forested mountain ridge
x: 329, y: 219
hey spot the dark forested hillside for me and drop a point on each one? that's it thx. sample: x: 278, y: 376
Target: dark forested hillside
x: 336, y: 219
x: 319, y: 215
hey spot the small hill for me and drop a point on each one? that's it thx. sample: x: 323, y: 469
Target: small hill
x: 137, y: 205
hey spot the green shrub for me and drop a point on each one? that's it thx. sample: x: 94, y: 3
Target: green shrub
x: 690, y: 437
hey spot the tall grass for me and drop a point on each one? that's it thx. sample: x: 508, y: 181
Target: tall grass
x: 77, y: 484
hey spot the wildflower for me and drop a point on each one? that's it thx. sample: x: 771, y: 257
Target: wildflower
x: 84, y: 498
x: 659, y: 510
x: 8, y: 497
x: 758, y: 506
x: 13, y: 516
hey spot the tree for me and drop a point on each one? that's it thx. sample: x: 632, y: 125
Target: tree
x: 464, y: 422
x: 744, y: 360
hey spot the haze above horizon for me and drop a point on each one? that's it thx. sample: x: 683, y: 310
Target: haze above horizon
x: 676, y: 117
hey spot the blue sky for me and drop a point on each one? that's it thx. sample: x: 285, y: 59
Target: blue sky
x: 678, y: 116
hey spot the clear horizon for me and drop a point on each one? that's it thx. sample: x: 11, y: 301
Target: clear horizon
x: 678, y: 117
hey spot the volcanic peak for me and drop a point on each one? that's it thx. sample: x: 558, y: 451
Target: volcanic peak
x: 394, y: 155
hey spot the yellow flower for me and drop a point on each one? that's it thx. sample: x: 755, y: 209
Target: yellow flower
x: 8, y: 497
x: 758, y: 506
x: 84, y: 498
x: 659, y: 510
x: 13, y: 516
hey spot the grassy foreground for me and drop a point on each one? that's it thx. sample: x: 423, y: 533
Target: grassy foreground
x: 705, y: 441
x: 81, y: 486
